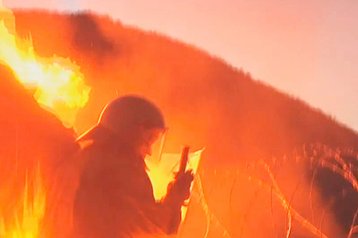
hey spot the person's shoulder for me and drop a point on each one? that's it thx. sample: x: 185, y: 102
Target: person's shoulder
x: 92, y: 151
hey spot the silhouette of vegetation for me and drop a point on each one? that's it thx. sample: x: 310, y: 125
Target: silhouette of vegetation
x: 240, y: 121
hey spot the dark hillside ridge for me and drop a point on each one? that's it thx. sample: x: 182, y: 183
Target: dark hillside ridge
x: 207, y: 103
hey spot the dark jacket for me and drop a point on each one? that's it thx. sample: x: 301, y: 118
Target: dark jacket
x: 115, y: 196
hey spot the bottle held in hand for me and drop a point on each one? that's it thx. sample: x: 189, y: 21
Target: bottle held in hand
x: 179, y: 189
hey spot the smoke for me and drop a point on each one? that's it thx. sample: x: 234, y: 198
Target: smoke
x: 89, y: 38
x: 251, y: 183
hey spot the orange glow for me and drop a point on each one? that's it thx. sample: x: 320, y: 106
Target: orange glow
x: 25, y: 223
x: 57, y: 83
x: 162, y: 173
x: 58, y: 86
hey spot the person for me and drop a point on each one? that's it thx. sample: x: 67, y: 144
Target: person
x: 115, y: 196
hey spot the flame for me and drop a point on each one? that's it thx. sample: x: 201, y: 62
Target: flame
x: 58, y: 86
x: 25, y: 223
x: 57, y: 83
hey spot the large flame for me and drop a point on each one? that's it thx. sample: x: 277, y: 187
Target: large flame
x: 57, y: 83
x: 58, y: 86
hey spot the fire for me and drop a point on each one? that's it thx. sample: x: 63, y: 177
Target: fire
x: 58, y: 86
x: 26, y: 222
x: 57, y: 83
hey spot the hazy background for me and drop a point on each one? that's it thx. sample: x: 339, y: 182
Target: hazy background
x: 305, y: 48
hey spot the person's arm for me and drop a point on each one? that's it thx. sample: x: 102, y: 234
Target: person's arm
x: 167, y: 214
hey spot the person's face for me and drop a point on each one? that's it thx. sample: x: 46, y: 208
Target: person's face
x: 147, y: 139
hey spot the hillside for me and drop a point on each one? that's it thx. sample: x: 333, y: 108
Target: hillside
x: 207, y: 103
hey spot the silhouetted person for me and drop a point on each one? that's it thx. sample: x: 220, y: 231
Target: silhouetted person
x: 115, y: 196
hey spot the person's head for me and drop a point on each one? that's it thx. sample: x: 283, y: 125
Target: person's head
x: 135, y: 120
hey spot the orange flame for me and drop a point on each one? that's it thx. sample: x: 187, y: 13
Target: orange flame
x: 26, y: 222
x: 57, y: 83
x: 58, y: 86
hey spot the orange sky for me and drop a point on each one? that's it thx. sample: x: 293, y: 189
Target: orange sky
x: 306, y: 48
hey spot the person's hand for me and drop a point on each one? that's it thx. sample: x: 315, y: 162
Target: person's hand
x: 179, y: 190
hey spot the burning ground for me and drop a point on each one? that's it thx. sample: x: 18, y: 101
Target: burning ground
x: 273, y: 166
